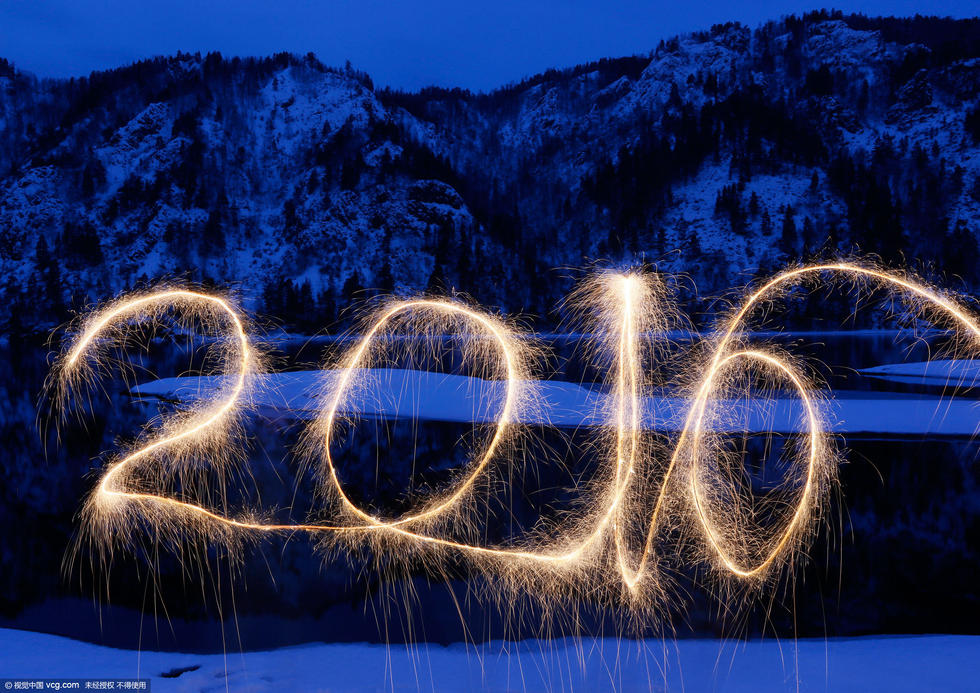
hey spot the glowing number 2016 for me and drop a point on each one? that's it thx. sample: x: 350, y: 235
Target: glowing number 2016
x: 594, y: 550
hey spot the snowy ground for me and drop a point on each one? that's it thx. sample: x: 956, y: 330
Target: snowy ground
x: 937, y: 373
x: 901, y: 663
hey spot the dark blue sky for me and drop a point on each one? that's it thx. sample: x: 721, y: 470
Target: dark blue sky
x: 468, y: 43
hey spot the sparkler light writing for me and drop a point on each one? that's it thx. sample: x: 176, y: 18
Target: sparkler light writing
x: 646, y: 495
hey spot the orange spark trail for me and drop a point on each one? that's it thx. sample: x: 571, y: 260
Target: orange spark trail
x: 687, y: 488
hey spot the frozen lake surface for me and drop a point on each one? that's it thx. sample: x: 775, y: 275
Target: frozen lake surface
x: 429, y: 396
x: 863, y: 665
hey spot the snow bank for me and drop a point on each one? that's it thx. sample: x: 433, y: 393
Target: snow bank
x: 901, y: 663
x: 394, y: 393
x: 938, y: 373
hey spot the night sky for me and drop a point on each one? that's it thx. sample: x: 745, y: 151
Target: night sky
x: 478, y: 45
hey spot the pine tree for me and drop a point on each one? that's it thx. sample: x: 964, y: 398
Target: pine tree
x: 48, y: 273
x: 766, y: 223
x: 788, y: 239
x: 352, y: 288
x: 213, y: 235
x: 809, y: 235
x: 385, y: 280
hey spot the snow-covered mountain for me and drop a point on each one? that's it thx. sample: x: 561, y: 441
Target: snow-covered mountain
x: 721, y: 153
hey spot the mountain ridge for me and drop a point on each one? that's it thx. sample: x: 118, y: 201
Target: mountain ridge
x: 727, y: 151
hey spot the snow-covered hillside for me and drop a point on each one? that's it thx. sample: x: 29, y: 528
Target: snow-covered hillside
x: 719, y: 154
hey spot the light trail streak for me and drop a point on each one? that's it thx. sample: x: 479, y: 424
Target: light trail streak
x: 597, y: 549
